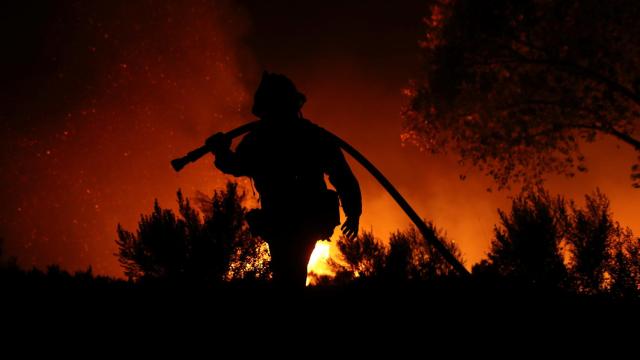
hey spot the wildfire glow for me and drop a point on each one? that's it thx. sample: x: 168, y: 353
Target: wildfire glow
x: 149, y: 87
x: 318, y: 262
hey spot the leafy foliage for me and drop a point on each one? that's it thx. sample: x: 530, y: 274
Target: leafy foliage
x: 188, y: 248
x: 526, y: 245
x: 546, y: 243
x: 514, y: 87
x: 624, y: 268
x: 591, y: 237
x: 363, y: 255
x: 407, y: 258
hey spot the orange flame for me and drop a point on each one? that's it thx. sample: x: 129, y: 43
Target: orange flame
x: 319, y: 262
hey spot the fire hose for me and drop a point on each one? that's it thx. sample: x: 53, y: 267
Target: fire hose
x: 428, y: 232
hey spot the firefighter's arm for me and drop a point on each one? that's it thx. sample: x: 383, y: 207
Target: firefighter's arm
x: 226, y: 160
x: 346, y: 184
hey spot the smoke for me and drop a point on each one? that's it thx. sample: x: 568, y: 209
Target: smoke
x: 101, y: 96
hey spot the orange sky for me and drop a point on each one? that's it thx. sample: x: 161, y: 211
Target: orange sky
x: 115, y: 91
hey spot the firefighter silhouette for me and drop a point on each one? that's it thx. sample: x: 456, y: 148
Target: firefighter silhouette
x: 287, y: 157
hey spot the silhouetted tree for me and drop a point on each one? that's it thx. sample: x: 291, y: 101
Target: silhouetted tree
x: 409, y: 252
x: 363, y: 255
x: 160, y: 247
x: 513, y: 87
x: 399, y: 259
x: 408, y: 257
x: 624, y: 268
x: 8, y: 266
x: 526, y: 244
x: 226, y: 239
x: 591, y: 236
x: 188, y: 248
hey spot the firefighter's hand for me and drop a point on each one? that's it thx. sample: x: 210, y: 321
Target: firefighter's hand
x: 350, y: 227
x: 218, y: 142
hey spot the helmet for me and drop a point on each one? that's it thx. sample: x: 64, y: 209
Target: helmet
x: 277, y: 94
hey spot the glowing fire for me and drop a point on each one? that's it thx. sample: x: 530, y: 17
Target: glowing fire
x: 318, y: 262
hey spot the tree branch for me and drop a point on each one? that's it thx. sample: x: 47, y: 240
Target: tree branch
x: 624, y: 137
x: 576, y: 69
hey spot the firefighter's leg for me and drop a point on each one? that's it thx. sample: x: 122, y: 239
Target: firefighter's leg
x: 289, y: 259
